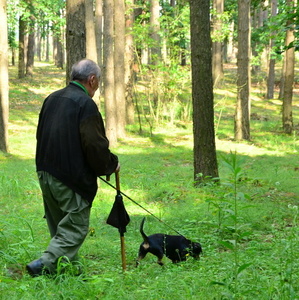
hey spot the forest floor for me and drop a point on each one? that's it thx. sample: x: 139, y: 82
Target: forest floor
x: 247, y: 225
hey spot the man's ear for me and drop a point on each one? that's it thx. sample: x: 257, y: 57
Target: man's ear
x: 90, y: 79
x: 94, y: 79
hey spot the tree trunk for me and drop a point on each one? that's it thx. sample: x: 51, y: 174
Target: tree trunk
x: 282, y: 79
x: 260, y: 16
x: 242, y: 115
x: 4, y: 97
x: 30, y: 48
x: 39, y: 44
x: 75, y: 33
x: 205, y: 161
x: 99, y: 31
x: 271, y: 75
x: 58, y: 38
x: 108, y: 72
x: 287, y: 118
x: 228, y: 50
x: 60, y: 52
x: 55, y: 49
x: 91, y: 49
x: 91, y: 45
x: 21, y: 63
x: 217, y: 45
x: 129, y: 65
x: 13, y: 55
x: 271, y: 70
x: 119, y: 67
x: 155, y: 54
x: 47, y: 47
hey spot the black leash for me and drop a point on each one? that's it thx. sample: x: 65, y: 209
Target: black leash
x: 140, y: 206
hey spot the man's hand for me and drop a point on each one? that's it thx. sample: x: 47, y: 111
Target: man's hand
x: 116, y: 171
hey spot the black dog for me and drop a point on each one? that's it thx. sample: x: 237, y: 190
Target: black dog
x: 175, y: 247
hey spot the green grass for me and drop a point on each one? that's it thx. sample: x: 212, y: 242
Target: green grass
x: 248, y: 225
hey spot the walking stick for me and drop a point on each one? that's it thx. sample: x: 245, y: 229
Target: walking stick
x: 119, y: 218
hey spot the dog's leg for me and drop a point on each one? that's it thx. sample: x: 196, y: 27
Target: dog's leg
x: 159, y: 261
x: 141, y: 254
x: 139, y: 258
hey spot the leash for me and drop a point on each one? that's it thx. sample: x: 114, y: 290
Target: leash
x: 106, y: 181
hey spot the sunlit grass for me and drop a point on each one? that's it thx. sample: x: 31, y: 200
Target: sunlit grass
x: 29, y: 92
x: 157, y: 172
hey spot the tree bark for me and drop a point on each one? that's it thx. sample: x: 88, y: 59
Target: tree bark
x: 99, y: 30
x: 119, y: 67
x: 129, y: 64
x: 30, y: 47
x: 60, y: 52
x: 58, y: 38
x: 55, y: 49
x: 75, y: 33
x: 4, y: 97
x: 91, y: 49
x: 47, y: 46
x: 229, y: 49
x: 205, y: 161
x: 242, y: 115
x: 217, y: 45
x: 21, y: 62
x: 108, y: 72
x: 155, y: 54
x: 91, y: 44
x: 39, y: 44
x: 282, y: 79
x: 287, y: 118
x: 271, y: 69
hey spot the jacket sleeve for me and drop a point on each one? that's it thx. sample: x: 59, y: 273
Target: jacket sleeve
x: 96, y: 146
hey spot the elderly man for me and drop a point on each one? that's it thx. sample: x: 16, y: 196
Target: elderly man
x: 72, y: 150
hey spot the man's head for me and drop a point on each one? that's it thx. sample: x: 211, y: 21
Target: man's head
x: 88, y: 73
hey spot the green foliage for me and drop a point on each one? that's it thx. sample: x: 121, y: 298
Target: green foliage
x: 44, y: 13
x: 12, y: 21
x: 166, y: 98
x: 225, y: 30
x: 238, y: 231
x: 175, y: 29
x: 275, y: 27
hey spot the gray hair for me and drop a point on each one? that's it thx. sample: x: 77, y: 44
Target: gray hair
x: 83, y: 69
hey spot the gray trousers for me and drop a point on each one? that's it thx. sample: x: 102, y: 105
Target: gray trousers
x: 67, y: 215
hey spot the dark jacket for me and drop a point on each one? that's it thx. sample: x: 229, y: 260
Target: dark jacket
x: 71, y: 141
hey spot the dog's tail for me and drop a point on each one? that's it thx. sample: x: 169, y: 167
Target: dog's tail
x: 145, y: 238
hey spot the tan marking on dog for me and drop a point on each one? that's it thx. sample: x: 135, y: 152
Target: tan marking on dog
x: 146, y: 245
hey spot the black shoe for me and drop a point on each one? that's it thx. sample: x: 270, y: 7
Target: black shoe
x: 36, y: 268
